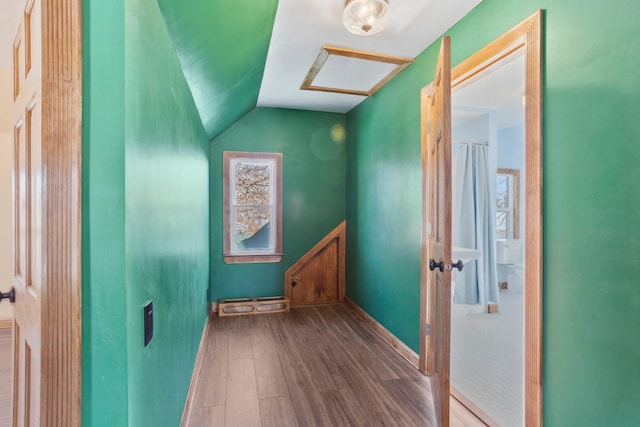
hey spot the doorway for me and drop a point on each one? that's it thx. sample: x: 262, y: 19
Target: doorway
x: 523, y: 41
x: 487, y: 311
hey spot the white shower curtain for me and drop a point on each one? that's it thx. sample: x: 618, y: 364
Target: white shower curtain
x: 474, y: 225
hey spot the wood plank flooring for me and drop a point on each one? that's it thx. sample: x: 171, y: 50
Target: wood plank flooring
x: 314, y: 366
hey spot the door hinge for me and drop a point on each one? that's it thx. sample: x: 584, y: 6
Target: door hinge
x: 427, y: 329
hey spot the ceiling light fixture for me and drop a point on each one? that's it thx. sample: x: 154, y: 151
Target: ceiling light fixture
x: 365, y: 17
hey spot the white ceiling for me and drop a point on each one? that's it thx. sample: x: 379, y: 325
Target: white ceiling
x: 302, y: 27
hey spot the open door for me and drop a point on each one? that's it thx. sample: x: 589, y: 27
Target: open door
x: 46, y: 113
x: 436, y: 241
x: 27, y: 218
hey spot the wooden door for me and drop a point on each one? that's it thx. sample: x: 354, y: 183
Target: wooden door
x: 316, y: 282
x: 27, y: 217
x: 436, y: 247
x: 46, y: 113
x: 318, y: 277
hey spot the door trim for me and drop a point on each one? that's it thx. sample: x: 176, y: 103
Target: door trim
x: 61, y: 378
x: 528, y: 36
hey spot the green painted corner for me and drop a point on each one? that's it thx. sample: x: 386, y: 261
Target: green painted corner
x: 313, y: 192
x: 222, y: 46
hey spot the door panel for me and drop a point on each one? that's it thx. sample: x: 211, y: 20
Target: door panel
x: 436, y: 281
x: 317, y: 281
x: 27, y: 222
x: 46, y: 113
x: 318, y: 277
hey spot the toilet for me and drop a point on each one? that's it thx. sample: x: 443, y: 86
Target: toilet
x: 510, y: 263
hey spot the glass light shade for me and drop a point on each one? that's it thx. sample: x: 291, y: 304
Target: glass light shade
x: 365, y: 17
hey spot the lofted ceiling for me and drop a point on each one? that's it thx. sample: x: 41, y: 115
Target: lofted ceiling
x: 222, y: 46
x: 242, y: 53
x: 302, y: 27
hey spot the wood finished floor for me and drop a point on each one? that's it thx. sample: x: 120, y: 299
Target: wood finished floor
x: 314, y: 366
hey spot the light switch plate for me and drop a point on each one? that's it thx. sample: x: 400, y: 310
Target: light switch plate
x: 148, y: 322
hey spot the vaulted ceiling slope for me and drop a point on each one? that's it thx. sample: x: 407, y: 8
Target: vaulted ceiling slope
x: 222, y: 46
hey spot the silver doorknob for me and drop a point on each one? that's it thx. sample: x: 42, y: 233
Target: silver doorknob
x: 11, y: 295
x: 457, y: 265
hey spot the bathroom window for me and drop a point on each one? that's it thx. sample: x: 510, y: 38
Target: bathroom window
x: 252, y: 207
x: 508, y: 204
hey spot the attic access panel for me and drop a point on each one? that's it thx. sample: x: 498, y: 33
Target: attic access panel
x: 352, y: 72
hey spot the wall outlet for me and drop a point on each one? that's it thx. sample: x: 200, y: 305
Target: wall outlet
x: 148, y: 322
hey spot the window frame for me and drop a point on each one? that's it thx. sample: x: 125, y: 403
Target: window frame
x: 514, y: 198
x: 274, y: 254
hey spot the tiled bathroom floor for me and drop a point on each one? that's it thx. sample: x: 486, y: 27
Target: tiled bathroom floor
x: 487, y: 362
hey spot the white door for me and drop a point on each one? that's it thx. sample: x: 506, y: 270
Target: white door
x: 27, y: 218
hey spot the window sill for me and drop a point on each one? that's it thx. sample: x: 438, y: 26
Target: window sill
x: 246, y: 259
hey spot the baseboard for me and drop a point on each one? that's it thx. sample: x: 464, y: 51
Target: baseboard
x: 202, y: 351
x: 400, y: 347
x: 6, y: 323
x: 473, y: 408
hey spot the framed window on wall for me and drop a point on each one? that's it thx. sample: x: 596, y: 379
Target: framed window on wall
x: 508, y: 204
x: 252, y: 207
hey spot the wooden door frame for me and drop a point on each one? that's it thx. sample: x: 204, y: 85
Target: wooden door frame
x: 61, y: 374
x: 525, y: 37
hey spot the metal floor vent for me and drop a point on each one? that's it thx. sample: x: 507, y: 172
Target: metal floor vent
x: 242, y: 306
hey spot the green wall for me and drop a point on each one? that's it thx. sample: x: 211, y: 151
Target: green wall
x: 591, y: 201
x: 384, y: 207
x: 146, y: 218
x: 313, y: 192
x: 104, y: 326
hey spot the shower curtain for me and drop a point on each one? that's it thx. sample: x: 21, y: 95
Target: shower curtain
x: 474, y: 226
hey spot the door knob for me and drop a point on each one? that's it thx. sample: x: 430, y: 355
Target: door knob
x: 433, y: 265
x: 457, y: 265
x: 11, y: 295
